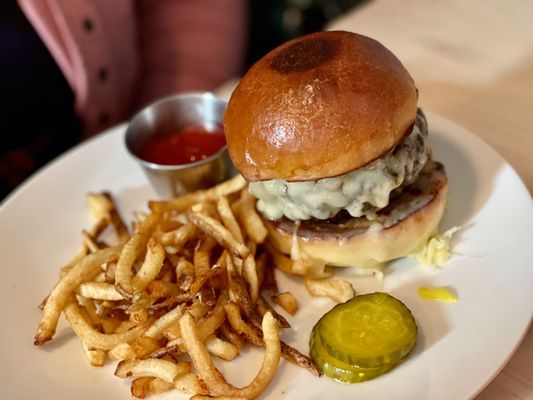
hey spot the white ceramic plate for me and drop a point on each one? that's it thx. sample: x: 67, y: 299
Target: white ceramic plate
x: 461, y: 346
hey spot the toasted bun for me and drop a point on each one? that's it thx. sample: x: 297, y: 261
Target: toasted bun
x: 319, y: 106
x: 355, y: 242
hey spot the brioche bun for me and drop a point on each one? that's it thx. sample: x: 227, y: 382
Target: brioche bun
x: 319, y: 106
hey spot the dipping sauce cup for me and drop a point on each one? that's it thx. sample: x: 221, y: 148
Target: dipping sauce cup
x: 180, y: 144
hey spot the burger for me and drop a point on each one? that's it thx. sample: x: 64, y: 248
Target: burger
x: 326, y: 130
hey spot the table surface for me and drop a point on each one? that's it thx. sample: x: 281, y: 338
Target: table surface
x: 472, y: 62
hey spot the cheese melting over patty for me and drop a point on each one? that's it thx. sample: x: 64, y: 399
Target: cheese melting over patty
x: 361, y: 192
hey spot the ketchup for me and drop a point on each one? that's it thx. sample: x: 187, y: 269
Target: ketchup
x: 191, y: 144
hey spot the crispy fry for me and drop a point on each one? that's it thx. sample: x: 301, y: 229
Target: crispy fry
x: 207, y: 295
x: 97, y: 317
x: 103, y: 207
x: 167, y: 272
x: 122, y: 351
x: 125, y: 326
x: 90, y: 336
x: 205, y: 277
x: 158, y: 386
x: 138, y: 311
x: 155, y: 331
x: 184, y: 202
x: 144, y: 345
x: 288, y: 352
x: 185, y: 273
x: 140, y: 387
x: 85, y: 270
x: 206, y: 208
x: 238, y: 263
x: 197, y: 309
x: 220, y: 348
x: 155, y: 368
x: 100, y: 205
x: 254, y: 226
x: 337, y: 289
x: 202, y: 256
x: 172, y: 301
x: 216, y: 317
x: 236, y: 207
x: 250, y: 274
x: 153, y: 262
x: 252, y: 246
x: 298, y: 265
x: 232, y: 337
x: 133, y: 247
x: 263, y: 306
x: 280, y: 260
x: 109, y: 273
x: 287, y: 301
x: 310, y: 267
x: 215, y: 229
x: 228, y: 218
x: 214, y: 380
x: 260, y: 269
x: 169, y: 224
x: 269, y: 282
x: 173, y: 331
x: 98, y: 228
x: 96, y: 357
x: 294, y: 356
x: 237, y: 323
x: 90, y: 242
x: 159, y: 288
x: 179, y: 237
x: 254, y: 337
x: 238, y: 290
x: 171, y: 349
x: 139, y: 216
x: 99, y: 291
x: 190, y: 383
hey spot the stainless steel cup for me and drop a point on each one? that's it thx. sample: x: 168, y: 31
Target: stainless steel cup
x: 169, y: 115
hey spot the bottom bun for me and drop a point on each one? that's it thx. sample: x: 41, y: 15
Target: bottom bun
x: 401, y: 228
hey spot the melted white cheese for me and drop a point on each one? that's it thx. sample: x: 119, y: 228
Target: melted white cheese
x: 361, y: 192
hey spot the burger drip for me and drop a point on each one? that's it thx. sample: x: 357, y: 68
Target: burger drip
x: 361, y: 192
x: 303, y: 264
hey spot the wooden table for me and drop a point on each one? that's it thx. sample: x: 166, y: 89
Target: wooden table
x: 472, y: 62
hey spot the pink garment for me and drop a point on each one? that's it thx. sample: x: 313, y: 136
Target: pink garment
x: 118, y: 55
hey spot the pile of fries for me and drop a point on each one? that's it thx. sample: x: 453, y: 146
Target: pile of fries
x: 187, y: 285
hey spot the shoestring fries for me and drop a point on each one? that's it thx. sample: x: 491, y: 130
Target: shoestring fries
x: 189, y: 283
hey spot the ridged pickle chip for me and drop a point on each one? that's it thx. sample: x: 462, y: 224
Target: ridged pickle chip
x: 369, y: 331
x: 339, y: 370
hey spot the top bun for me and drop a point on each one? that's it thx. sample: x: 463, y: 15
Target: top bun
x: 319, y: 106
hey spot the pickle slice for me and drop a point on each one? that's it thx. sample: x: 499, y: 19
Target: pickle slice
x: 368, y: 331
x: 339, y: 370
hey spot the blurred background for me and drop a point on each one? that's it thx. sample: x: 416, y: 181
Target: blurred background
x: 276, y: 21
x: 72, y: 69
